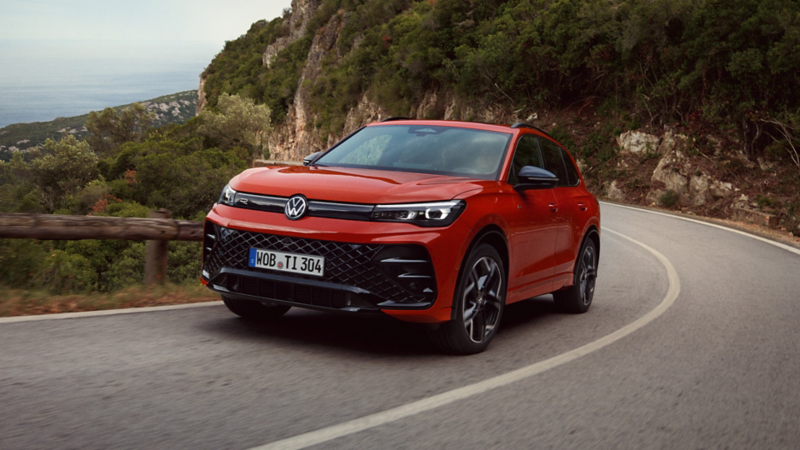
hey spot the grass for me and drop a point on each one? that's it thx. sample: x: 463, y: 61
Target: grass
x: 16, y: 302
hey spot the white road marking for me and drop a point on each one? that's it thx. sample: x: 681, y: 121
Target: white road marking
x: 446, y: 398
x: 107, y: 312
x: 721, y: 227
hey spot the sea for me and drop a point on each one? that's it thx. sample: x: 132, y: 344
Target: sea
x: 41, y: 80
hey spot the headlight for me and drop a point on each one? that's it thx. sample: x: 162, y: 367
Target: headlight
x: 228, y: 196
x: 435, y: 214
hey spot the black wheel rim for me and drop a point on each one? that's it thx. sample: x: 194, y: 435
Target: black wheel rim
x: 588, y: 274
x: 482, y: 299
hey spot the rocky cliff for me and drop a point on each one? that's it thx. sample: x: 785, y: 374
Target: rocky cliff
x: 296, y: 137
x: 650, y: 164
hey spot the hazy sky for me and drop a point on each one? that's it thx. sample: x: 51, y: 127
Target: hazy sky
x: 134, y: 20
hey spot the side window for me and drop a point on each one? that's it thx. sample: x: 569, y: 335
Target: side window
x: 572, y: 172
x: 554, y: 162
x: 527, y: 154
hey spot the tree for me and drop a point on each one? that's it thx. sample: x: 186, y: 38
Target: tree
x: 64, y: 171
x: 239, y: 123
x: 110, y: 129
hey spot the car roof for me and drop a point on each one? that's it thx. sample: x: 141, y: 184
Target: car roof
x: 449, y: 123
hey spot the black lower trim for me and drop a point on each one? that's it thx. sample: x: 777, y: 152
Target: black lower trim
x: 288, y: 290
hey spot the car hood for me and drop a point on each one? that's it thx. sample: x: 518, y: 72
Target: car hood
x: 354, y: 185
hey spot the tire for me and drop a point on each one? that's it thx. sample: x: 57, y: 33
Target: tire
x: 255, y: 310
x: 577, y: 298
x: 478, y: 304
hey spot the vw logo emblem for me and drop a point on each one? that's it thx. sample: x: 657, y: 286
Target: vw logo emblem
x: 296, y: 207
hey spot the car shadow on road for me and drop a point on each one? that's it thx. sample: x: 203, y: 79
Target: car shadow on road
x: 527, y: 313
x: 378, y: 335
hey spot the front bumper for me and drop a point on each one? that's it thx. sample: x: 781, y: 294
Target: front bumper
x: 399, y: 269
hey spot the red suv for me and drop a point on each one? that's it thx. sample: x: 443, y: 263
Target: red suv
x: 434, y: 222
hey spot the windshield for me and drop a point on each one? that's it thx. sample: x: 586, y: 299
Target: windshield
x: 422, y: 148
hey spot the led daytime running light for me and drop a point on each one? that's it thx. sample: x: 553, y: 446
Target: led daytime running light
x: 228, y: 196
x: 431, y: 214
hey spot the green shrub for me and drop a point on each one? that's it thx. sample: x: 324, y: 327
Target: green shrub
x: 185, y: 260
x: 63, y: 273
x: 20, y: 260
x: 128, y: 268
x: 669, y: 198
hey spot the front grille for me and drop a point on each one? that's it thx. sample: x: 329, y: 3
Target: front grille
x: 345, y: 263
x: 316, y: 208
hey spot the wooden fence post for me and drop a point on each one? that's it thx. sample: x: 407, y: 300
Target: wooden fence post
x: 155, y: 259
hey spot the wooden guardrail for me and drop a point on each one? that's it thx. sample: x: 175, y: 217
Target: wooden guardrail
x: 50, y: 227
x: 157, y: 230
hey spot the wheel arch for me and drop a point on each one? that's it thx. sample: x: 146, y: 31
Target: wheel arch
x: 493, y: 235
x: 592, y: 233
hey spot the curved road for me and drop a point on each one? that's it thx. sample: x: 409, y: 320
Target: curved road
x: 692, y: 342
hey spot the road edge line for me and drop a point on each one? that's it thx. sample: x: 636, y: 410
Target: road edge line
x: 714, y: 225
x: 105, y: 312
x: 391, y: 415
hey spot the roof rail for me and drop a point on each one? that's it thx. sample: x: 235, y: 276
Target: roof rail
x: 527, y: 125
x: 390, y: 119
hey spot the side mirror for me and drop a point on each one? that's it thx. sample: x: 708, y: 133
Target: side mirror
x: 531, y: 177
x: 310, y: 158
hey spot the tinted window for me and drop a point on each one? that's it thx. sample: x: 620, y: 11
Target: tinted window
x: 553, y: 161
x: 527, y: 154
x: 422, y: 148
x: 572, y: 172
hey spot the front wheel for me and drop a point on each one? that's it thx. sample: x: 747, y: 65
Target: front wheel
x: 577, y: 298
x: 254, y: 310
x: 478, y: 305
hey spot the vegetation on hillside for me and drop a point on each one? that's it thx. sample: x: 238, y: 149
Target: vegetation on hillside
x: 731, y: 66
x: 174, y: 108
x: 723, y: 73
x: 123, y: 169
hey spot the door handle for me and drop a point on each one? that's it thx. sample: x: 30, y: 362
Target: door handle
x: 582, y: 206
x: 553, y: 207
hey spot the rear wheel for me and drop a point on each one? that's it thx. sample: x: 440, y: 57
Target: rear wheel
x: 255, y: 310
x: 577, y: 298
x: 478, y: 304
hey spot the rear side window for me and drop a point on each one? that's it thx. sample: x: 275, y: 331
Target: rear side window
x: 554, y: 162
x: 527, y: 154
x: 572, y: 172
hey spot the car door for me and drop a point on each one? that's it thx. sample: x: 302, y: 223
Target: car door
x: 532, y: 230
x: 572, y: 202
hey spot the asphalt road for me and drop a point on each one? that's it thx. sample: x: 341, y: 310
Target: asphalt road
x: 718, y: 368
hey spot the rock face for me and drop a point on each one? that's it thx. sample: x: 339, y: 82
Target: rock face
x: 296, y: 137
x: 615, y: 193
x: 637, y: 142
x: 302, y: 12
x: 293, y: 139
x: 674, y: 171
x: 670, y: 171
x: 672, y: 141
x: 201, y: 97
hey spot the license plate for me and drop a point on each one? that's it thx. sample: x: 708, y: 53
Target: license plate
x: 286, y: 262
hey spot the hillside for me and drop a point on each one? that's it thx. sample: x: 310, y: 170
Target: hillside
x: 174, y: 108
x: 686, y: 105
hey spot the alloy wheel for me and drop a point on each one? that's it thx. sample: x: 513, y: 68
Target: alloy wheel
x: 588, y: 274
x: 482, y: 299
